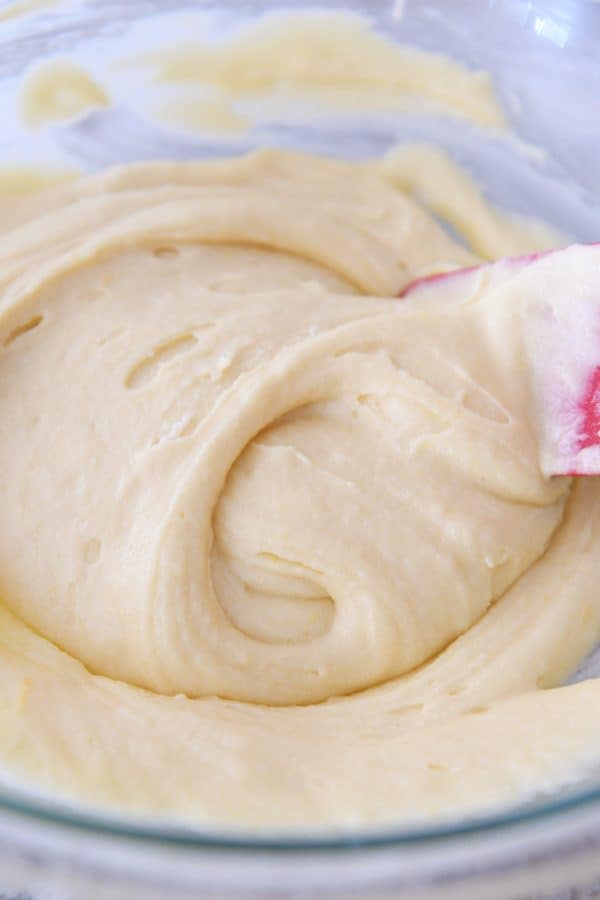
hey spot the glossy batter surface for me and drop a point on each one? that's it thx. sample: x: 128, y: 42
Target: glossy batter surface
x: 240, y: 480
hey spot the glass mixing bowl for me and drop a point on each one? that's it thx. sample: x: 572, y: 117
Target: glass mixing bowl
x: 544, y: 58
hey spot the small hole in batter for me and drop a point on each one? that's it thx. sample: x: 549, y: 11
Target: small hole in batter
x: 92, y: 550
x: 163, y: 252
x: 23, y: 329
x: 456, y: 689
x: 405, y: 710
x: 148, y: 367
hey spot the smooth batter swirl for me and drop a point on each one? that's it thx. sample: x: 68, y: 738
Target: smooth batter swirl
x: 234, y: 465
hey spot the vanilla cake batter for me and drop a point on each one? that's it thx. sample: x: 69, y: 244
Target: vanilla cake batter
x: 275, y: 547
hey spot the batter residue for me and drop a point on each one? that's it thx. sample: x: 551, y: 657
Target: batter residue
x: 59, y: 90
x: 275, y: 548
x: 333, y: 63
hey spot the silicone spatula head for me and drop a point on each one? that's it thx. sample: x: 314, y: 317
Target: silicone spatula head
x: 559, y: 297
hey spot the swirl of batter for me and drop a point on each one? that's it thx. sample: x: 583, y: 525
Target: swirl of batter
x: 239, y: 477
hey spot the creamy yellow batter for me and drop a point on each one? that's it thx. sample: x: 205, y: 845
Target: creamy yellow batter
x: 287, y: 67
x: 241, y: 481
x: 58, y: 90
x: 332, y: 61
x: 429, y: 174
x: 21, y: 8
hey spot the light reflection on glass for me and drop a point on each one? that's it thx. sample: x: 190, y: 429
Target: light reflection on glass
x: 551, y: 30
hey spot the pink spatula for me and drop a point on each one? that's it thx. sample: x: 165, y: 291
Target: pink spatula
x: 559, y: 299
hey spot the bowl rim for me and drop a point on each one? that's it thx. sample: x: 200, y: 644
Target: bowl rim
x: 189, y: 836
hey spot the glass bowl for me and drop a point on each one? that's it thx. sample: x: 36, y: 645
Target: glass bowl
x: 544, y: 61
